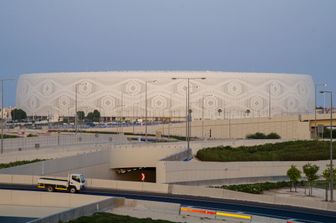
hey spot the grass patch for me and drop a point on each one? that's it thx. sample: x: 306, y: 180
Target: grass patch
x: 112, y: 218
x: 284, y: 151
x: 18, y: 163
x: 256, y: 188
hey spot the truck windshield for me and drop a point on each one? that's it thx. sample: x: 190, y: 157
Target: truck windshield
x: 82, y: 179
x: 75, y: 178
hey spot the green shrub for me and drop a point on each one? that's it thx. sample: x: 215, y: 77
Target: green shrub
x: 257, y: 135
x: 273, y: 135
x: 31, y: 135
x: 260, y: 135
x: 284, y: 151
x: 256, y: 188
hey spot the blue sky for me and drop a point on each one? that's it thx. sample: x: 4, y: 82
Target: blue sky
x: 287, y: 36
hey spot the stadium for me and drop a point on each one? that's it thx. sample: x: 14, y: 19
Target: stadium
x: 122, y: 94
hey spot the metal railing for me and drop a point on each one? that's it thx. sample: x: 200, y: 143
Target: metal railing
x: 20, y: 144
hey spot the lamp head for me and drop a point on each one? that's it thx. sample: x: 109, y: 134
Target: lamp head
x: 328, y: 92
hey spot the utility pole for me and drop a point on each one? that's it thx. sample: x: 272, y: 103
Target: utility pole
x: 2, y: 112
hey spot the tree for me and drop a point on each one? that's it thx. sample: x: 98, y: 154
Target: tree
x: 310, y: 170
x: 18, y: 114
x: 80, y: 115
x: 89, y: 116
x: 326, y: 173
x: 93, y: 116
x: 96, y: 116
x: 294, y: 174
x: 326, y: 176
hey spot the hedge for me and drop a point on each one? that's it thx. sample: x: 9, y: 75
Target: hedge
x: 18, y: 163
x: 256, y: 188
x: 284, y: 151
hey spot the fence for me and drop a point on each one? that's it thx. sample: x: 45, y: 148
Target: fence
x: 19, y: 144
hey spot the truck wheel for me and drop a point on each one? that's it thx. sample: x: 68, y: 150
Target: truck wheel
x: 50, y: 188
x: 73, y: 190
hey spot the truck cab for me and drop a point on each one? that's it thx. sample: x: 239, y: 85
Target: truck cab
x: 77, y: 181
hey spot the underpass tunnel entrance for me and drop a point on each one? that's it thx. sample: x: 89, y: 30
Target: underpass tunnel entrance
x: 145, y: 174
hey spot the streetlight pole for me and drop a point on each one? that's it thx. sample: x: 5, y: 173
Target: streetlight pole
x: 331, y: 148
x: 315, y: 104
x: 170, y: 114
x: 2, y: 111
x: 146, y: 104
x: 76, y: 112
x: 204, y: 96
x: 188, y: 130
x: 269, y: 102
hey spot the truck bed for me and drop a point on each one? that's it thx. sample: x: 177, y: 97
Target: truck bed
x: 53, y: 181
x: 50, y: 178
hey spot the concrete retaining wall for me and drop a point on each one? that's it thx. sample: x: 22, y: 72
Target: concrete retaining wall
x: 288, y: 127
x: 85, y: 210
x: 196, y: 171
x: 42, y: 199
x: 141, y: 155
x: 87, y: 163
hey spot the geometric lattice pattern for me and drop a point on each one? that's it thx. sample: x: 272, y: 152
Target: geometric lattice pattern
x: 122, y: 94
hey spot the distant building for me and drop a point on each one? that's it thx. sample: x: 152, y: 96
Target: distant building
x: 7, y: 113
x: 122, y: 94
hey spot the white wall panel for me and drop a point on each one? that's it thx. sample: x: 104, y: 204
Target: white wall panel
x: 122, y: 93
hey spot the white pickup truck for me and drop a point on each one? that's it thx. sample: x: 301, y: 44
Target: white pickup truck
x: 74, y: 183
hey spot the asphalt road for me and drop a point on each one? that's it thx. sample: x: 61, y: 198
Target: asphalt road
x: 8, y: 219
x: 251, y: 208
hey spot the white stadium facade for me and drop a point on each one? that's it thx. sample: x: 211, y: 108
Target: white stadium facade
x: 120, y: 94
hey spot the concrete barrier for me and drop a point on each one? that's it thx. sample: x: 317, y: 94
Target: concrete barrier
x: 198, y: 172
x: 162, y: 207
x: 128, y: 185
x: 39, y: 199
x: 77, y: 212
x: 260, y: 198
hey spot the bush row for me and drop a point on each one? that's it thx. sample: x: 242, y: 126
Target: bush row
x: 284, y: 151
x: 256, y: 188
x: 18, y: 163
